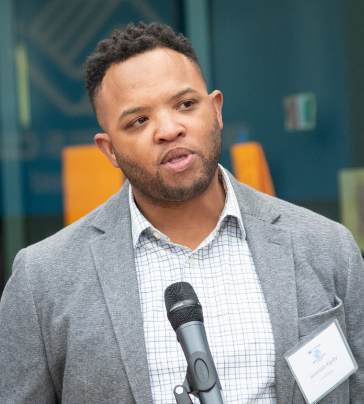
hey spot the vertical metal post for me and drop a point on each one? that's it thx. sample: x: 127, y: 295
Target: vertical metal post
x: 199, y: 33
x: 11, y: 175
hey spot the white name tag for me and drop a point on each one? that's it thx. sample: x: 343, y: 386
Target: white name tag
x: 321, y: 361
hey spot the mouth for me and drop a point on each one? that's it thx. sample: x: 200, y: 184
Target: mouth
x: 178, y: 159
x: 176, y: 155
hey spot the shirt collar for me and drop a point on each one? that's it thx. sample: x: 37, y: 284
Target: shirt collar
x: 231, y: 203
x: 139, y: 223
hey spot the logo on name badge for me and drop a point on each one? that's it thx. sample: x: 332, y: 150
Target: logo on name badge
x: 316, y: 353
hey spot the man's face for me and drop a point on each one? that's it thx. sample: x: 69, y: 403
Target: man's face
x: 162, y: 127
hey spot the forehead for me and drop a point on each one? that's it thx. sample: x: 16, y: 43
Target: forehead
x: 158, y: 71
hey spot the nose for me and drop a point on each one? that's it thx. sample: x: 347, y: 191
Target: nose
x: 168, y: 128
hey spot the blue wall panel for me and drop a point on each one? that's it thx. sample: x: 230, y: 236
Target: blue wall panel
x: 264, y: 51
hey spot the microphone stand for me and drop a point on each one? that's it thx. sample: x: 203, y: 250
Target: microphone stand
x: 181, y: 395
x: 201, y: 377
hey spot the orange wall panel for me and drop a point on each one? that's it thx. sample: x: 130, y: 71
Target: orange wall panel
x: 89, y: 179
x: 250, y: 166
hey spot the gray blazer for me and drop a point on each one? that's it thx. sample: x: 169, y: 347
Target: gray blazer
x: 71, y: 328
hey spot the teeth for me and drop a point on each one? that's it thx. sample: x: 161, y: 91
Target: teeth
x: 175, y: 160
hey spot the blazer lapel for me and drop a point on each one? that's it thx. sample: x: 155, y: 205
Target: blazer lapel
x: 272, y: 253
x: 114, y: 259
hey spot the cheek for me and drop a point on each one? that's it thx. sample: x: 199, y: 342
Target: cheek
x: 136, y: 152
x: 203, y: 122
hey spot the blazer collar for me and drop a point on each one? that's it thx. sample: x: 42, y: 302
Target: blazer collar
x: 251, y: 203
x: 114, y: 211
x: 255, y: 203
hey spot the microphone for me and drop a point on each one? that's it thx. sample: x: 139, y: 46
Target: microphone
x: 184, y: 312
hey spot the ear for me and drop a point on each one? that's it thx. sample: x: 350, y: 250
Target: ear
x: 217, y: 101
x: 103, y: 142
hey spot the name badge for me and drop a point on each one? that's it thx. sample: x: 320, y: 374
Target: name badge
x: 321, y: 361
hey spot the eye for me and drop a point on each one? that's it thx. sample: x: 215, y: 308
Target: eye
x: 186, y: 104
x: 138, y: 121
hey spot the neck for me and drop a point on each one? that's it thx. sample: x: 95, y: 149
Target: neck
x: 190, y: 222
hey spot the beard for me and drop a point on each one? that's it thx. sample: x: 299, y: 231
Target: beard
x: 157, y: 191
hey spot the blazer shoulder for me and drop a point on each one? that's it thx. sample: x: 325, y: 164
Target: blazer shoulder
x: 70, y: 247
x: 307, y: 222
x: 315, y: 237
x: 285, y: 214
x: 84, y: 230
x: 70, y: 237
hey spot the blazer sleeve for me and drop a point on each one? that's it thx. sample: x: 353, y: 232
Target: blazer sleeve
x: 354, y: 316
x: 25, y: 376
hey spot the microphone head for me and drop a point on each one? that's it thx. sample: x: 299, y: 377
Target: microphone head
x: 182, y: 304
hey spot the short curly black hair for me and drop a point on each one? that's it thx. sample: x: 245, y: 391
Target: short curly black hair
x: 133, y: 41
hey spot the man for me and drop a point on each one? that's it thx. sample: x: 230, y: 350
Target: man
x: 82, y: 319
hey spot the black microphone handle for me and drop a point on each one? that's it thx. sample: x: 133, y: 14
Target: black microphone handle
x: 192, y: 337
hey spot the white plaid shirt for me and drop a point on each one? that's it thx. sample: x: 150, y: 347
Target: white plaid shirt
x: 222, y: 272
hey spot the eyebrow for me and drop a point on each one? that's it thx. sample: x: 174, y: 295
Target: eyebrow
x: 183, y: 92
x: 132, y: 111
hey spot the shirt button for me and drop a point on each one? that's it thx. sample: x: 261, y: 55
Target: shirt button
x: 156, y: 235
x: 191, y: 261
